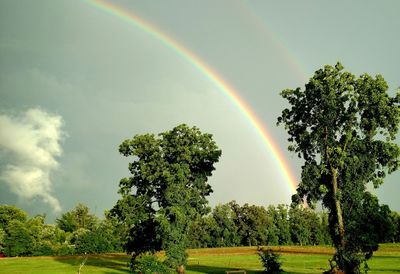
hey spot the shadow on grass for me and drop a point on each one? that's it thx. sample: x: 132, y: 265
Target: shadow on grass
x: 216, y: 269
x: 117, y: 262
x: 222, y: 270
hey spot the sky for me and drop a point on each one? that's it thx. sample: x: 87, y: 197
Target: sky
x: 76, y: 80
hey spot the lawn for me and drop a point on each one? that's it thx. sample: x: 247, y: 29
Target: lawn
x: 295, y: 260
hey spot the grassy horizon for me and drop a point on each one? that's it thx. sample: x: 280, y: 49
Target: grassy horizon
x: 295, y: 259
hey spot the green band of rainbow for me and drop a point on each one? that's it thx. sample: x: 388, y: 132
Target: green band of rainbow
x: 212, y: 75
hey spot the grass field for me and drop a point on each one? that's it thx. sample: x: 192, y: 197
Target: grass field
x: 295, y: 260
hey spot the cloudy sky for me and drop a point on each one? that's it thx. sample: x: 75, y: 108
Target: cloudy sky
x: 75, y: 81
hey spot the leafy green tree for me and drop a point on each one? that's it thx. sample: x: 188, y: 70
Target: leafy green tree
x: 240, y: 222
x: 225, y: 230
x: 281, y: 226
x: 35, y: 227
x: 113, y: 232
x: 47, y: 239
x: 84, y: 218
x: 96, y: 241
x: 256, y: 221
x: 204, y: 232
x: 318, y: 222
x: 67, y: 222
x: 270, y: 260
x: 324, y: 236
x: 2, y: 237
x: 395, y: 236
x: 272, y: 230
x: 344, y: 128
x: 18, y: 240
x: 167, y: 189
x: 9, y: 212
x: 79, y: 217
x: 300, y: 226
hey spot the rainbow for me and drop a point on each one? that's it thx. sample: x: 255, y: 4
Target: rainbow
x: 252, y: 14
x: 212, y: 75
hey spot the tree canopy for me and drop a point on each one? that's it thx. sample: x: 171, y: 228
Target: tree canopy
x: 167, y: 189
x: 344, y: 128
x: 77, y: 218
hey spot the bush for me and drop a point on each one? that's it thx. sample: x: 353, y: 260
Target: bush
x: 65, y: 249
x: 44, y: 248
x: 148, y: 264
x: 18, y: 240
x: 270, y: 261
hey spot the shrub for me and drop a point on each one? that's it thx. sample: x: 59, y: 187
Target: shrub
x: 43, y: 248
x: 65, y: 249
x: 270, y: 261
x: 148, y: 264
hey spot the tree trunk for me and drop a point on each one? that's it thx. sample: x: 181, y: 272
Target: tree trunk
x: 338, y: 208
x: 340, y: 245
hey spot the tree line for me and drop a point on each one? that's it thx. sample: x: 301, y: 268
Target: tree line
x: 75, y: 232
x: 250, y: 225
x: 227, y: 225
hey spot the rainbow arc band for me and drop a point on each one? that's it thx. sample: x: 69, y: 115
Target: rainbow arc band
x: 211, y: 74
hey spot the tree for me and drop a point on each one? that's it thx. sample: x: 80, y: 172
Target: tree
x: 79, y: 217
x: 344, y: 128
x: 300, y: 226
x: 225, y: 231
x: 8, y: 213
x: 395, y: 235
x: 101, y: 239
x: 167, y: 189
x: 18, y: 240
x: 279, y: 232
x: 202, y: 233
x: 2, y: 237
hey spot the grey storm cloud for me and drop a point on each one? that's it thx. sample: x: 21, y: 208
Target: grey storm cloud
x: 30, y: 143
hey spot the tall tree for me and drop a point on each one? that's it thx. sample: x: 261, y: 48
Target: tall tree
x: 79, y: 217
x: 300, y: 226
x: 18, y: 240
x: 344, y: 128
x: 225, y: 230
x: 279, y: 232
x: 9, y: 213
x: 167, y: 189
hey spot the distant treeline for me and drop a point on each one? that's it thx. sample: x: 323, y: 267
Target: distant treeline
x: 75, y: 232
x: 78, y: 231
x: 250, y: 225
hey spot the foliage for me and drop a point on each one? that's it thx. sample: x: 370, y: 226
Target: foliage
x: 2, y: 237
x: 224, y: 231
x: 344, y: 128
x: 167, y: 189
x: 77, y: 218
x: 203, y: 232
x: 234, y: 225
x: 218, y: 229
x: 18, y: 240
x: 148, y: 264
x: 281, y: 223
x: 270, y: 261
x: 23, y: 236
x: 10, y: 212
x: 394, y: 236
x: 95, y: 241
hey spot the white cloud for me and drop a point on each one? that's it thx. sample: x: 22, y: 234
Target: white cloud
x: 31, y: 142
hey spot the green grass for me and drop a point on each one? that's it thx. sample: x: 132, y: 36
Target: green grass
x: 296, y: 260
